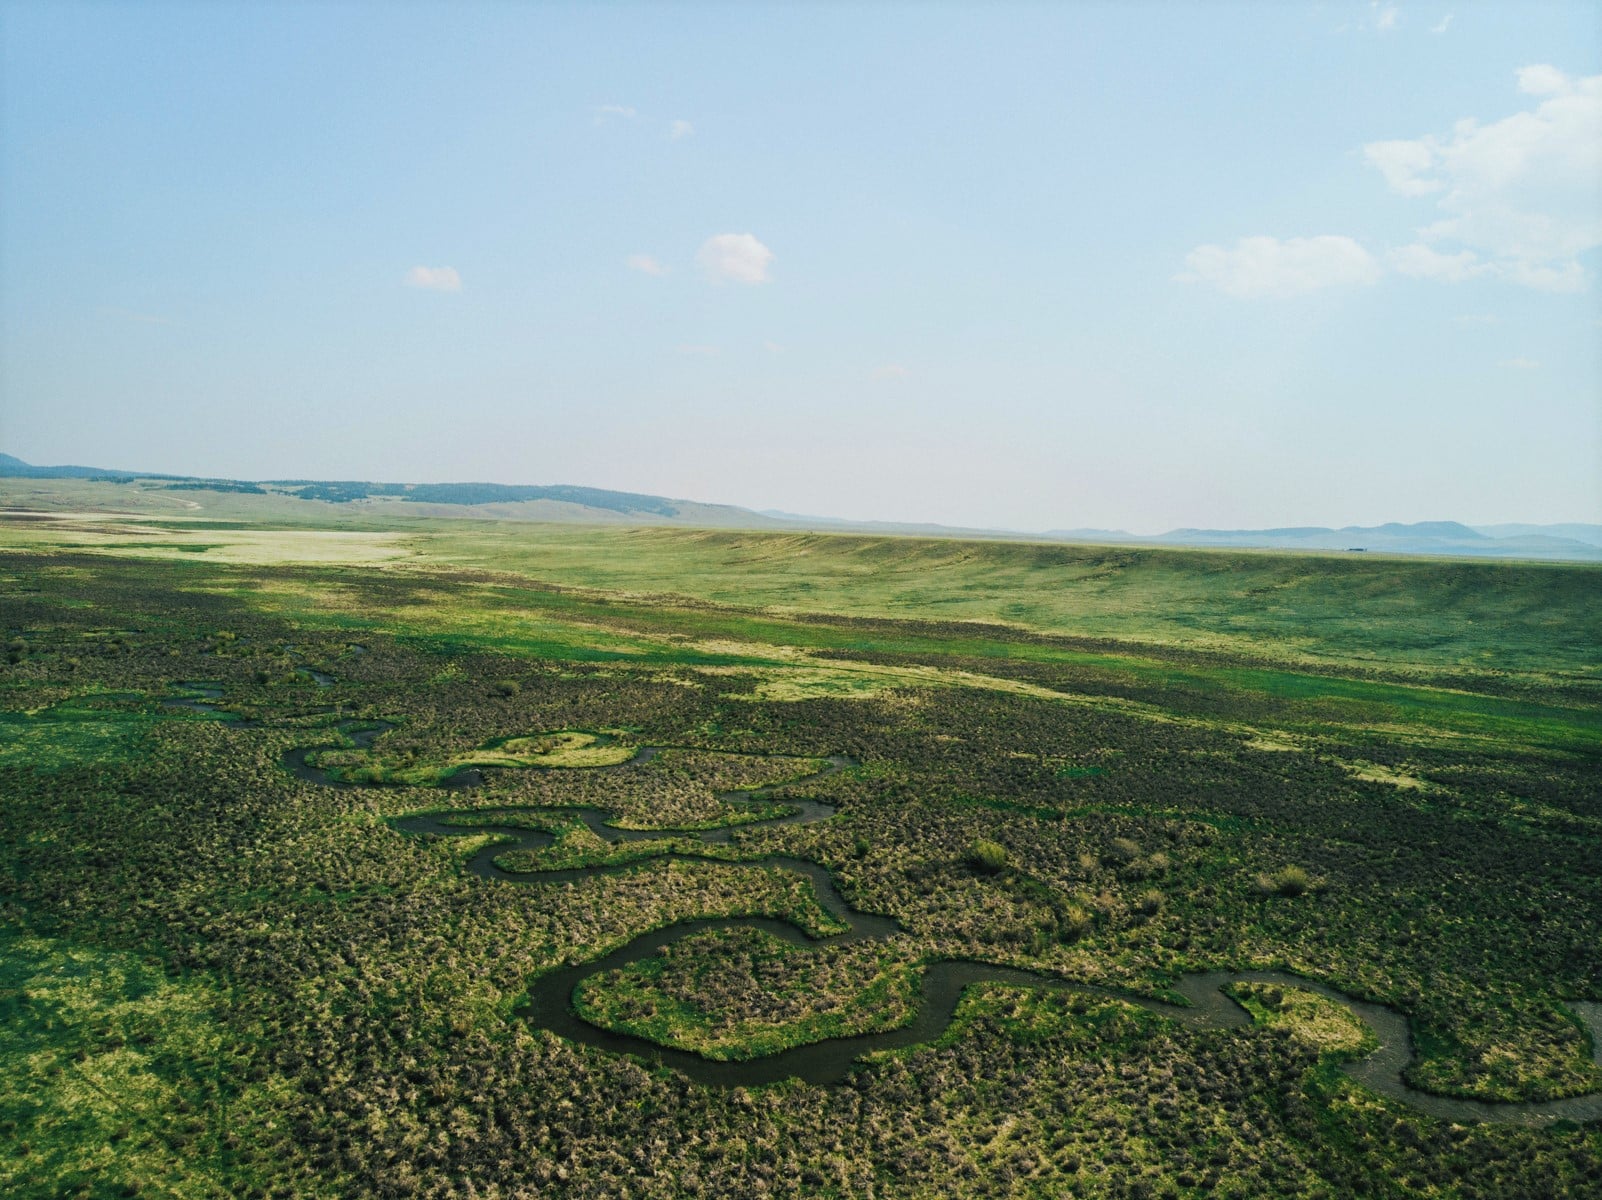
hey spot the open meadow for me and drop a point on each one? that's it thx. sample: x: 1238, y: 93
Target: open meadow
x: 801, y: 601
x: 359, y: 856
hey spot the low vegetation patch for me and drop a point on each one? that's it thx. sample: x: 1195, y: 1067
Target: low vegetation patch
x: 1322, y: 1024
x: 743, y: 993
x: 563, y: 749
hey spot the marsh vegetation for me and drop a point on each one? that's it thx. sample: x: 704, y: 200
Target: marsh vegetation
x: 284, y: 992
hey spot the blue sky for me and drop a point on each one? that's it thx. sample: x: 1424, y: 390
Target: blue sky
x: 1070, y: 265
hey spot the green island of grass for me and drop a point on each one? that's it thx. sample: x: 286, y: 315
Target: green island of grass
x: 562, y: 749
x: 1326, y: 1026
x: 743, y: 993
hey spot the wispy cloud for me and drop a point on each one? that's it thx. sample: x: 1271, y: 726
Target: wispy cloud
x: 1420, y: 262
x: 1443, y: 24
x: 734, y: 258
x: 1477, y: 319
x: 890, y: 371
x: 1378, y: 18
x: 434, y: 279
x: 773, y: 347
x: 1256, y: 267
x: 646, y: 265
x: 1405, y: 165
x: 698, y: 350
x: 620, y: 112
x: 1519, y: 364
x: 1518, y: 193
x: 679, y: 129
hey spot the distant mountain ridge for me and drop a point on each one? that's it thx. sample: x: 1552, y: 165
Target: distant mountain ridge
x: 1568, y: 541
x: 1590, y: 534
x: 15, y: 467
x: 529, y: 501
x: 571, y: 503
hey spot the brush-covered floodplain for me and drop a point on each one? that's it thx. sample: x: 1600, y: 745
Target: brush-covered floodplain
x: 500, y: 860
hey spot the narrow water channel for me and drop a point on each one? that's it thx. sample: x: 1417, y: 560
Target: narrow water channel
x: 829, y: 1061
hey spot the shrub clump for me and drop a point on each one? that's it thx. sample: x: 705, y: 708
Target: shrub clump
x: 989, y: 857
x: 1122, y: 852
x: 1287, y: 881
x: 1075, y: 923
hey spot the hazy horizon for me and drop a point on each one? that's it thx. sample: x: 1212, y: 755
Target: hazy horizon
x: 1082, y: 266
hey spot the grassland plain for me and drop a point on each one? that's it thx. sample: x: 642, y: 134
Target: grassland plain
x: 222, y: 979
x: 1394, y: 614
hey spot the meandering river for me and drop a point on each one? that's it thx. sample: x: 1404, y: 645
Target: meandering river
x: 829, y: 1061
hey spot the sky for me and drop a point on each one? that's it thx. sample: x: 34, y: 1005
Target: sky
x: 1036, y: 267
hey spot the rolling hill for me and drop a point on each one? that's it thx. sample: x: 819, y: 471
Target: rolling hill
x: 567, y: 503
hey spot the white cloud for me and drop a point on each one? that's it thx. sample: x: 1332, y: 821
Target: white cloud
x: 434, y: 279
x: 1385, y: 18
x: 1443, y: 24
x: 1420, y: 262
x: 1477, y: 319
x: 1268, y: 266
x: 698, y: 350
x: 1404, y: 164
x: 1519, y: 364
x: 1562, y: 277
x: 1542, y: 79
x: 773, y: 347
x: 891, y: 371
x: 734, y: 257
x: 680, y: 129
x: 645, y: 264
x: 621, y: 111
x: 1521, y: 192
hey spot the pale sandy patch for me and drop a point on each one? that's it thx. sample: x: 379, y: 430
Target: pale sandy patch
x: 1375, y: 773
x: 300, y: 545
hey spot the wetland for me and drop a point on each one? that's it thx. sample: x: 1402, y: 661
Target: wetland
x: 338, y: 881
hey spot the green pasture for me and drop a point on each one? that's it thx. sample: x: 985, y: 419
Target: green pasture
x: 1375, y: 610
x: 801, y: 656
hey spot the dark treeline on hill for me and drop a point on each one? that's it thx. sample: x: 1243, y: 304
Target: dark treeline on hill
x: 477, y: 493
x: 487, y: 493
x: 243, y: 489
x: 340, y: 491
x: 492, y: 493
x: 337, y: 491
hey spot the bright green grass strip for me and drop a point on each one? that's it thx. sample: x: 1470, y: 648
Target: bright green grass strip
x: 1338, y: 701
x: 543, y: 624
x: 70, y: 736
x: 1439, y: 612
x: 1364, y: 702
x: 1408, y: 702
